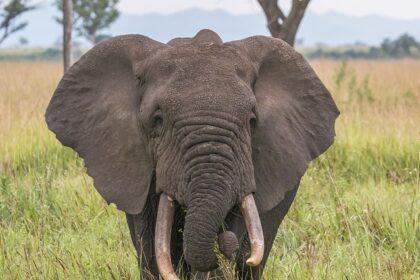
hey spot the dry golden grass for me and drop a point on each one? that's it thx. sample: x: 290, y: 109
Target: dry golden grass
x: 25, y: 89
x: 394, y: 87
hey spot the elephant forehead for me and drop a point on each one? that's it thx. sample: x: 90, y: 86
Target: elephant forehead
x: 196, y: 60
x: 203, y: 77
x: 234, y: 99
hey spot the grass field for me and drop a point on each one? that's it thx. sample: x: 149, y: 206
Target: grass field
x: 356, y: 215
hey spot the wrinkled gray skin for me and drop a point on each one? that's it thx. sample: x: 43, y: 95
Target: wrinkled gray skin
x: 203, y: 121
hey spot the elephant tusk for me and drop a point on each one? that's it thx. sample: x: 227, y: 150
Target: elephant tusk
x: 255, y: 233
x: 164, y: 220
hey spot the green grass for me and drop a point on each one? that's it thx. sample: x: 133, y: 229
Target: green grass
x: 53, y: 223
x: 356, y: 215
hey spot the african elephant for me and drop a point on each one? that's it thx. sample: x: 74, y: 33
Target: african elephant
x: 195, y: 139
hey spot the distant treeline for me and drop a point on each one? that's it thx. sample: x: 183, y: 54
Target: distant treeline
x: 36, y: 54
x: 404, y: 46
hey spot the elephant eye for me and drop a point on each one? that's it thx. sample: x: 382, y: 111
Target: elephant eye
x: 252, y: 123
x: 156, y: 123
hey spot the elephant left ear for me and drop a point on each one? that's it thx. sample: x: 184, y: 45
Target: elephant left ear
x: 95, y: 111
x: 296, y: 116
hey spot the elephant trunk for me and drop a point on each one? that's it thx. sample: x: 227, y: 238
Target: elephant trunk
x: 206, y: 213
x: 212, y: 184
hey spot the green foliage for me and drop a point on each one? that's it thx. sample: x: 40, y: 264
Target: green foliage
x: 9, y: 13
x: 102, y: 37
x: 356, y: 215
x: 349, y: 89
x: 402, y: 47
x: 340, y: 75
x: 92, y: 16
x: 53, y: 225
x: 35, y: 54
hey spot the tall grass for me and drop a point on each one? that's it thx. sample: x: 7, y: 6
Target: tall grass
x: 356, y: 215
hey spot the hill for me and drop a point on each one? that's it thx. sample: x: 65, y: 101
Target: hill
x: 329, y: 28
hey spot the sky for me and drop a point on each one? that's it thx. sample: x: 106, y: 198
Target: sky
x: 333, y: 29
x: 401, y: 9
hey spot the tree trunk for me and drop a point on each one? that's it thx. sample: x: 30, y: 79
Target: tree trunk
x: 280, y: 25
x: 93, y: 38
x: 67, y: 27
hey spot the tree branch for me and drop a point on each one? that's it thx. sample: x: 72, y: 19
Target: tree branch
x: 273, y: 13
x: 281, y: 26
x: 11, y: 11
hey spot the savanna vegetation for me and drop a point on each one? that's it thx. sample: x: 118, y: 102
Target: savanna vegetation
x: 405, y: 46
x: 356, y: 215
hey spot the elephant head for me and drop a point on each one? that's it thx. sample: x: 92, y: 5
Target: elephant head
x: 217, y: 124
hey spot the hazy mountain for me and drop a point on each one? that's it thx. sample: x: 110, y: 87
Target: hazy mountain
x: 329, y: 28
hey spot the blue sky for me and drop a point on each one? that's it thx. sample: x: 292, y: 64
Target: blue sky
x: 402, y: 9
x: 340, y: 27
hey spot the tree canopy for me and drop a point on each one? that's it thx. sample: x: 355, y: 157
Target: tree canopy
x: 91, y: 16
x: 9, y: 13
x: 402, y: 47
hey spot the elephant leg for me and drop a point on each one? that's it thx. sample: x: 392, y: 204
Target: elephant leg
x: 270, y: 222
x: 177, y: 256
x: 142, y: 235
x: 142, y: 230
x: 142, y: 227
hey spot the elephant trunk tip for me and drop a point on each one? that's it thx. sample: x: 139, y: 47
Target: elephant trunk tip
x: 201, y: 263
x: 228, y: 243
x: 201, y: 235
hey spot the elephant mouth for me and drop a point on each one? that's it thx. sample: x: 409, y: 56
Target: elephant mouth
x: 165, y: 216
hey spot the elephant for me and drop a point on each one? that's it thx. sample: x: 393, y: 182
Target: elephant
x: 202, y: 143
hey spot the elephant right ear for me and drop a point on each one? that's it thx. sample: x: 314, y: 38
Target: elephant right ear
x: 95, y: 111
x: 296, y: 117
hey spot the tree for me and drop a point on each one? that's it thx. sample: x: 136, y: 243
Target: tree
x: 9, y: 13
x: 403, y: 46
x: 67, y: 27
x: 95, y: 15
x: 102, y: 37
x: 91, y: 16
x: 23, y: 41
x: 280, y: 25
